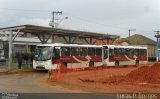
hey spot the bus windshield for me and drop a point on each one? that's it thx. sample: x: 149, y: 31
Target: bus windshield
x: 42, y: 53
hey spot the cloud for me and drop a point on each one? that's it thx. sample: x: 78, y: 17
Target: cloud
x: 104, y: 16
x: 38, y: 21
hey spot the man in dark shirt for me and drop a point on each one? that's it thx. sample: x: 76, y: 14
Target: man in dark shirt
x: 19, y: 57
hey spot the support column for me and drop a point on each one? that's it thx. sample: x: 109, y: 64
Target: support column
x: 157, y: 49
x: 70, y: 39
x: 103, y: 42
x: 108, y: 41
x: 86, y: 40
x: 65, y: 39
x: 43, y: 38
x: 90, y: 40
x: 52, y: 38
x: 10, y: 50
x: 75, y: 38
x: 94, y: 41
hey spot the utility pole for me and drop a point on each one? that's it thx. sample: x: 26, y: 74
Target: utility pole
x: 157, y: 36
x: 130, y: 34
x: 52, y: 21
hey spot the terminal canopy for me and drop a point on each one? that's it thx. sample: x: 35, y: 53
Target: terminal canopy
x: 69, y: 36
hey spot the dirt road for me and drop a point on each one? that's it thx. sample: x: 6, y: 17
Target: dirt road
x: 30, y: 83
x: 33, y: 85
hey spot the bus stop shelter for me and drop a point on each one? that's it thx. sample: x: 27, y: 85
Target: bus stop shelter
x: 46, y: 33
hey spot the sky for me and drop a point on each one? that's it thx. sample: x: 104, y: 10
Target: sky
x: 103, y: 16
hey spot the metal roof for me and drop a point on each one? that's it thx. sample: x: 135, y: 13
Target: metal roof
x: 34, y: 29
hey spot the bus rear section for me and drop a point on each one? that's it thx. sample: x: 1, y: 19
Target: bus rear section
x: 126, y: 55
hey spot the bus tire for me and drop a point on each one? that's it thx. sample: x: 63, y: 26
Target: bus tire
x: 64, y: 67
x: 91, y: 64
x: 116, y: 63
x: 137, y: 63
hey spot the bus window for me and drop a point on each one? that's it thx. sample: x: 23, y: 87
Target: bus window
x: 143, y: 52
x: 98, y: 52
x: 116, y: 52
x: 136, y: 52
x: 121, y: 51
x: 42, y: 53
x: 111, y: 52
x: 83, y: 51
x: 1, y: 52
x: 55, y: 53
x: 130, y: 51
x: 91, y: 51
x: 75, y: 51
x: 127, y: 51
x: 65, y: 51
x: 105, y: 49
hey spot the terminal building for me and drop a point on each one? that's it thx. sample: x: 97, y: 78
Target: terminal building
x: 26, y: 37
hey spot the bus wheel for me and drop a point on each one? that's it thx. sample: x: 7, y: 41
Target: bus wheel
x: 137, y: 63
x: 116, y: 63
x: 64, y: 67
x: 91, y: 64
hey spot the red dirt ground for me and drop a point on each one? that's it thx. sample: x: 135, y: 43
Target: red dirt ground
x: 145, y: 79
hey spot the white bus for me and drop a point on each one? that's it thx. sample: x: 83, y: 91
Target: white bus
x: 48, y: 56
x: 125, y: 55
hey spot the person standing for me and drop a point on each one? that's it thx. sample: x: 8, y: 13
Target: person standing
x: 19, y: 57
